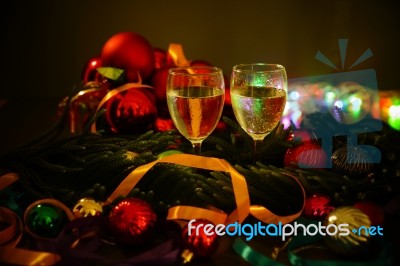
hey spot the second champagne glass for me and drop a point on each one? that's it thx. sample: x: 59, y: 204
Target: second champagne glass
x: 195, y: 98
x: 258, y: 93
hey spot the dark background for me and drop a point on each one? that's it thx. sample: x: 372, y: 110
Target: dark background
x: 45, y: 44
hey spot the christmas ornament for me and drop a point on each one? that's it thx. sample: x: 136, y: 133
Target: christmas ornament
x: 199, y: 63
x: 357, y: 241
x: 87, y: 207
x: 352, y: 161
x: 159, y: 82
x: 84, y: 104
x: 90, y: 72
x: 45, y: 220
x: 374, y: 211
x: 228, y: 101
x: 131, y: 52
x: 306, y: 155
x: 317, y: 207
x: 163, y: 124
x: 131, y: 221
x: 160, y: 58
x: 198, y: 245
x: 131, y: 111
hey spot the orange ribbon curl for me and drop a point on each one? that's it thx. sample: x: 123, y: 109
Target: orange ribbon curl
x: 239, y: 186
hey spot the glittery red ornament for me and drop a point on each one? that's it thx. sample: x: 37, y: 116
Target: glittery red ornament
x: 317, y: 207
x: 306, y: 155
x: 90, y: 72
x: 200, y: 245
x: 374, y: 211
x: 131, y: 111
x: 131, y: 221
x: 131, y: 52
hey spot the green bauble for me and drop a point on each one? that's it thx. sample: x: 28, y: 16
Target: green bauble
x: 45, y: 220
x: 357, y: 241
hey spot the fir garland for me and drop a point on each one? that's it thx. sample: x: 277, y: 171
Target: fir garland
x: 93, y: 164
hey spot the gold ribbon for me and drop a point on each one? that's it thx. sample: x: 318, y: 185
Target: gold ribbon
x: 21, y: 256
x: 11, y: 234
x: 7, y: 179
x: 238, y: 181
x: 175, y: 50
x: 239, y: 186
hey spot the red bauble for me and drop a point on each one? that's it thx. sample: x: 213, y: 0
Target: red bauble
x: 160, y: 57
x: 317, y: 207
x: 228, y: 100
x: 306, y: 155
x: 131, y: 221
x: 131, y: 52
x: 199, y: 63
x: 131, y: 111
x: 201, y: 245
x: 374, y: 212
x: 90, y: 72
x: 163, y: 124
x: 159, y: 82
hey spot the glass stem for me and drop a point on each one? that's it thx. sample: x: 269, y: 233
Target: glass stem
x: 196, y: 148
x: 257, y: 150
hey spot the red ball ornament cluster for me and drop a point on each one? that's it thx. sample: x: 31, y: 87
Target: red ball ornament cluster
x: 142, y: 107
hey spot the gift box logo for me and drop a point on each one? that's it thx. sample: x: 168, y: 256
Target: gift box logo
x: 348, y: 98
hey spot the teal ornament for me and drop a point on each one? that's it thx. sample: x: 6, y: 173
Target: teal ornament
x: 45, y: 220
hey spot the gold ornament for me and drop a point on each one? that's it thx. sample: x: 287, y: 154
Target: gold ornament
x: 358, y: 223
x: 87, y: 207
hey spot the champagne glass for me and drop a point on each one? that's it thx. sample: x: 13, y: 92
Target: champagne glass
x: 258, y: 94
x: 195, y: 98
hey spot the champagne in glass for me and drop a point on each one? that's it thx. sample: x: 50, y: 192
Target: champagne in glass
x: 258, y: 93
x: 195, y: 98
